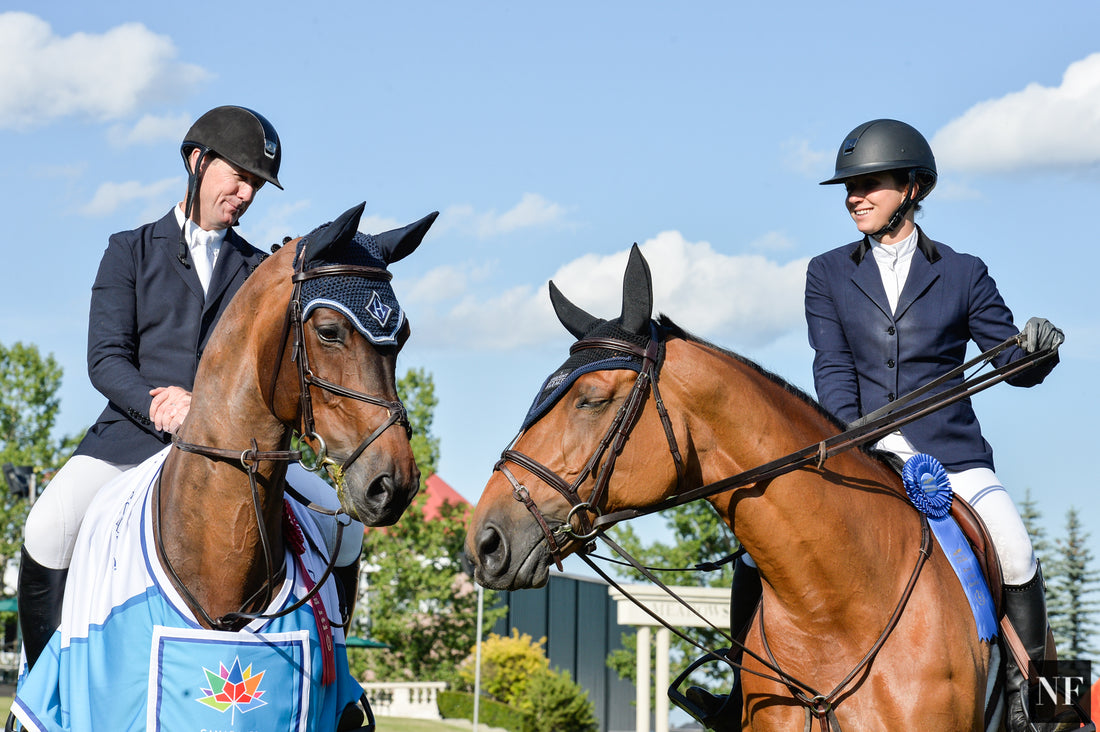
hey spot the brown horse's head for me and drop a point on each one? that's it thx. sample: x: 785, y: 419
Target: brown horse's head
x: 352, y: 329
x: 325, y: 327
x: 560, y: 473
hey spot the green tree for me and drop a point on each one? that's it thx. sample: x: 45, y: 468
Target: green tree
x: 29, y: 404
x: 414, y: 595
x: 1072, y: 590
x: 417, y: 391
x: 697, y: 535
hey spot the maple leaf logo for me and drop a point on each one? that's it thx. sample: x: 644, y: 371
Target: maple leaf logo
x: 232, y: 688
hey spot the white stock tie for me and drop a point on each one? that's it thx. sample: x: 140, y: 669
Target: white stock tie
x: 203, y: 255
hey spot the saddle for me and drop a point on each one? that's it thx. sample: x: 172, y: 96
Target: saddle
x: 973, y: 528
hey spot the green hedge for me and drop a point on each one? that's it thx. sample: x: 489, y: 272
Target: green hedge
x: 456, y: 705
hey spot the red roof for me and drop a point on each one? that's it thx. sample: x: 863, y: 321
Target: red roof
x: 438, y: 492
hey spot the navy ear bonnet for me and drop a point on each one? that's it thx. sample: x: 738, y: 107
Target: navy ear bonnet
x: 368, y: 302
x: 588, y: 360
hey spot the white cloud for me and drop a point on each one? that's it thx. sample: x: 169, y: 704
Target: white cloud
x: 773, y: 241
x: 275, y: 224
x: 377, y: 224
x: 1037, y: 127
x: 110, y: 196
x: 532, y: 211
x: 801, y: 158
x: 150, y: 129
x: 105, y: 76
x: 734, y: 300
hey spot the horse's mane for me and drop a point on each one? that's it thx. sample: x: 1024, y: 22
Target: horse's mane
x: 675, y: 331
x: 666, y: 323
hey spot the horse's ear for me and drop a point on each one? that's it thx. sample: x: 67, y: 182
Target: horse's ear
x: 341, y: 231
x: 400, y: 243
x: 637, y: 294
x: 575, y: 320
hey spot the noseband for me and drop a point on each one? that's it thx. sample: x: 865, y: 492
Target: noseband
x: 610, y: 446
x: 251, y: 457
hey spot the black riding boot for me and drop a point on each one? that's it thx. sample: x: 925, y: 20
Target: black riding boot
x: 39, y: 596
x: 723, y: 712
x: 1025, y: 606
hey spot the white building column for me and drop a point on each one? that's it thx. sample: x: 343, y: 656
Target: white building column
x: 641, y: 692
x: 661, y: 681
x: 712, y: 603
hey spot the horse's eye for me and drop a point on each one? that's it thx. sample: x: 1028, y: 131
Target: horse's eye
x: 592, y: 401
x: 329, y: 333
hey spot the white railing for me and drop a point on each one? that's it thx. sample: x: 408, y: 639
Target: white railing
x: 417, y: 699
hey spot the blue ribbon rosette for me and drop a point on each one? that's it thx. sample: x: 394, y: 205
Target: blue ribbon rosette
x: 927, y: 485
x: 929, y: 489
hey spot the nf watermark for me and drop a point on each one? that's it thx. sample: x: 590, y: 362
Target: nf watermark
x: 1062, y: 692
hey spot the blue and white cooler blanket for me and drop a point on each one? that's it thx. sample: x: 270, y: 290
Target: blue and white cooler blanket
x: 129, y: 654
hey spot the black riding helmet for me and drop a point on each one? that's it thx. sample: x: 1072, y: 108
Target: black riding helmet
x: 887, y: 145
x: 239, y: 135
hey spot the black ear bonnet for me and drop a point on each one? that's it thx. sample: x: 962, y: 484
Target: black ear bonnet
x: 634, y: 325
x: 588, y: 360
x: 368, y: 302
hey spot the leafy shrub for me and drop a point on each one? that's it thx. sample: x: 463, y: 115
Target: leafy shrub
x: 508, y: 663
x: 515, y: 671
x: 559, y: 705
x: 456, y: 705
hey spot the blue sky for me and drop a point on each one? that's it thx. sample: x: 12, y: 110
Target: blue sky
x: 551, y: 136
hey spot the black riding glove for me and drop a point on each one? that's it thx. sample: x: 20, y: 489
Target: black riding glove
x: 1041, y: 335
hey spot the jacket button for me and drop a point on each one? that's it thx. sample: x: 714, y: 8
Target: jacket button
x: 890, y: 397
x: 890, y: 330
x: 890, y: 364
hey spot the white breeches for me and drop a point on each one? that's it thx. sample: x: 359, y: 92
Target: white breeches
x: 55, y: 517
x: 981, y: 488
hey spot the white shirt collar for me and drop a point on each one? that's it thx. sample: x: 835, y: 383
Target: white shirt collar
x: 893, y: 264
x: 197, y: 237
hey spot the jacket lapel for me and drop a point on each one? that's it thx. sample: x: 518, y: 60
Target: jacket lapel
x: 167, y: 232
x: 230, y: 261
x: 923, y: 272
x: 868, y: 279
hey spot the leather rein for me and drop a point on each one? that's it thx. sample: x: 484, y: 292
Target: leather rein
x: 250, y: 458
x: 873, y: 426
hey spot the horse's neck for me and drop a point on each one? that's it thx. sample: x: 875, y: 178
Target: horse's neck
x: 809, y: 526
x: 207, y: 510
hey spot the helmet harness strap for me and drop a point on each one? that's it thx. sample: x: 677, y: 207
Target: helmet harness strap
x: 903, y: 209
x: 194, y: 180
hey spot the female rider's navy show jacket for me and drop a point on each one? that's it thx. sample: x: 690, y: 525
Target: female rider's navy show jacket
x: 867, y: 356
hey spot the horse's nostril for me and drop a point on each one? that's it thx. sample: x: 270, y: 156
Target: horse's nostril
x: 492, y: 550
x: 380, y: 488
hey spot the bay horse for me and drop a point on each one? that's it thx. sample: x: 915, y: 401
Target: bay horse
x: 307, y: 347
x: 642, y: 412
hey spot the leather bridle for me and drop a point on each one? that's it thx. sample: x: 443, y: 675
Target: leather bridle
x: 251, y: 457
x: 601, y: 464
